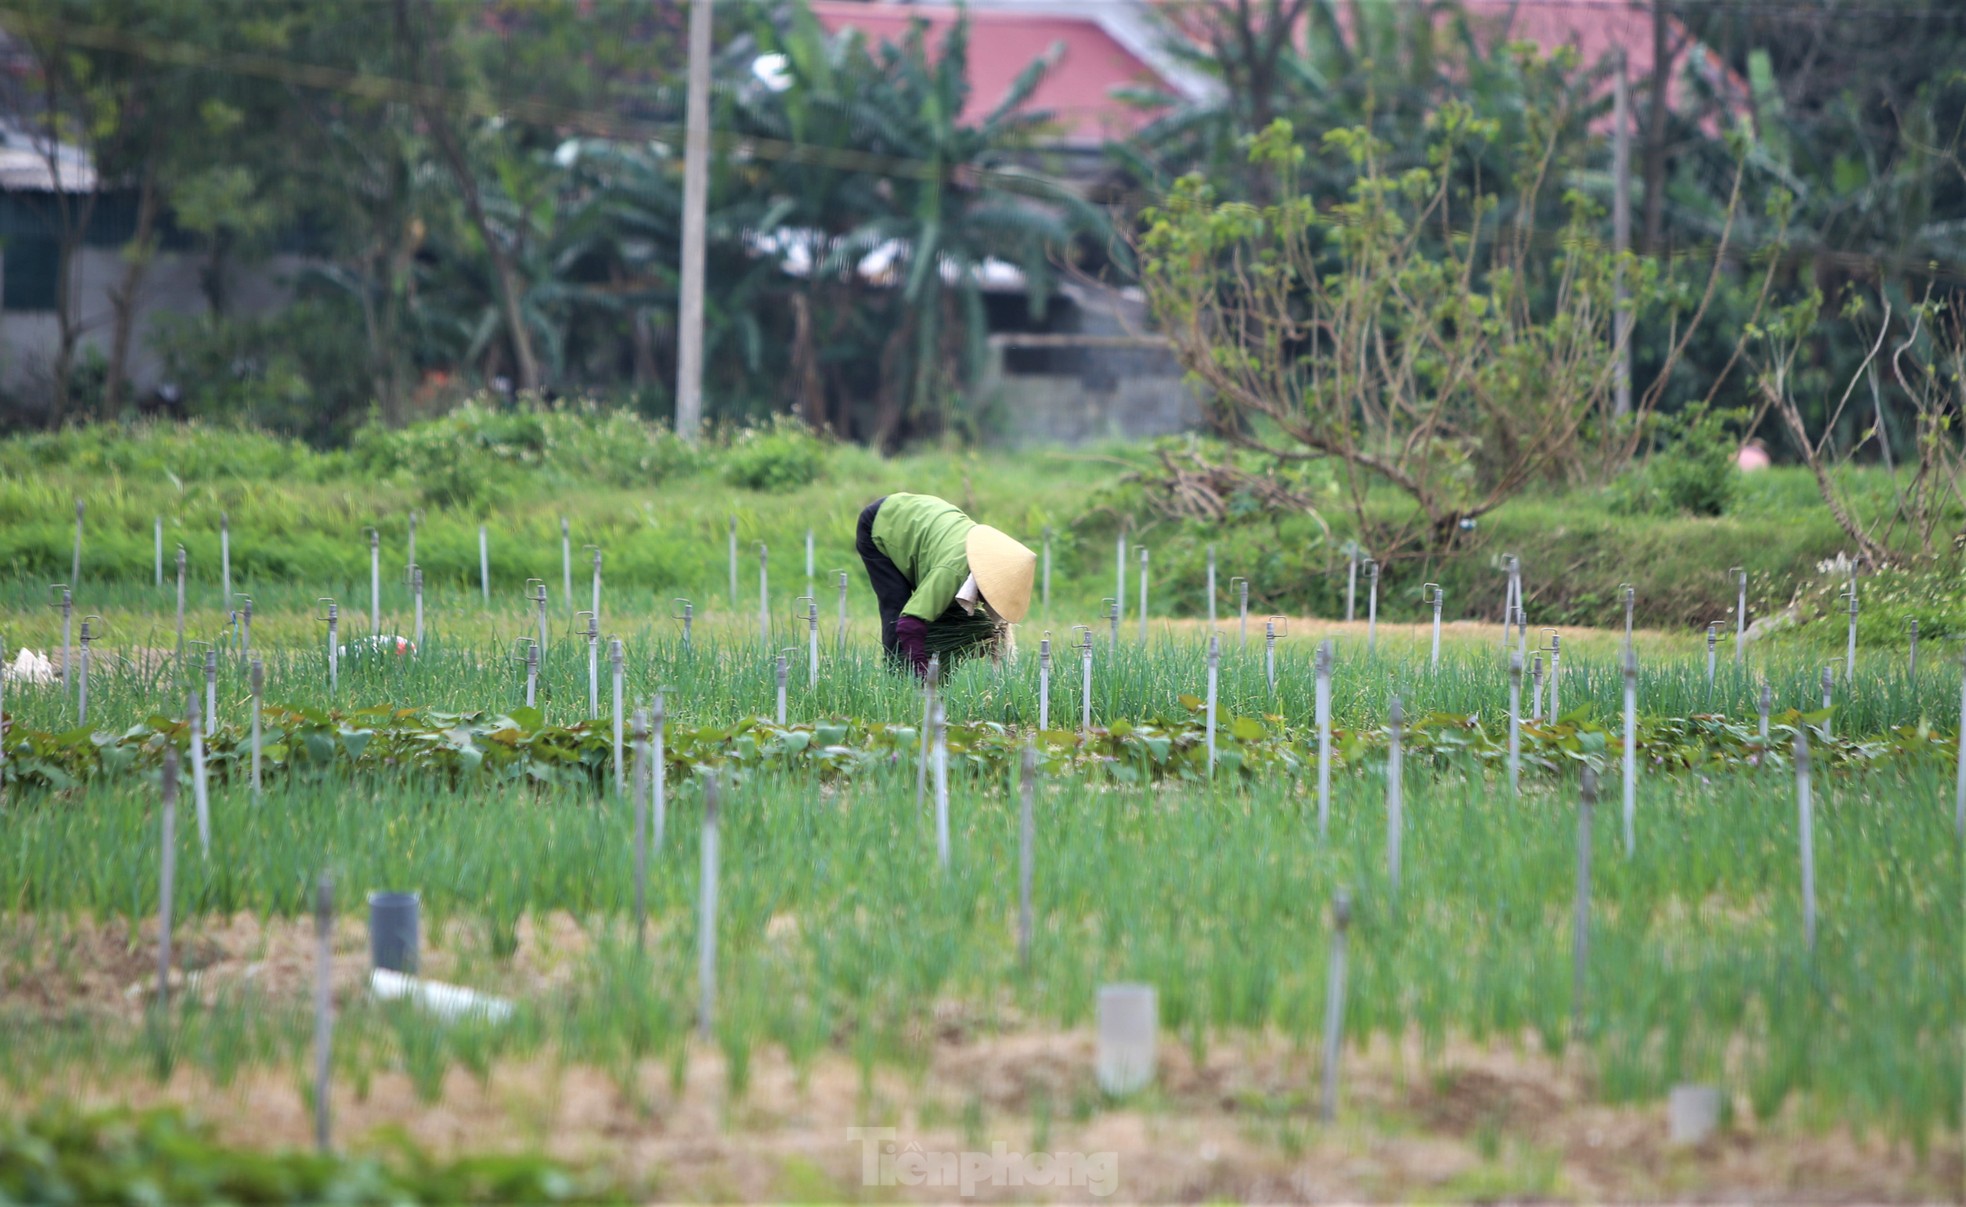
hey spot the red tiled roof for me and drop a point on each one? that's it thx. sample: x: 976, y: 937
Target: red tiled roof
x: 1077, y: 91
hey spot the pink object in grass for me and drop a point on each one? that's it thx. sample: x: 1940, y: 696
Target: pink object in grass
x: 1753, y: 456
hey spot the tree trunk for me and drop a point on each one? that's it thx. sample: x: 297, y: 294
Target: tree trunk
x: 452, y: 151
x: 1655, y: 130
x: 123, y: 299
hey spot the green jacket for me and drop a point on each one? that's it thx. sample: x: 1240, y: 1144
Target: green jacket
x: 927, y: 539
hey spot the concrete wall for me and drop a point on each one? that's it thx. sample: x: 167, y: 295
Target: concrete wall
x: 1064, y: 394
x: 29, y: 339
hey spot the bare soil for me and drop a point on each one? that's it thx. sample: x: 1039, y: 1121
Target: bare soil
x: 1467, y: 1122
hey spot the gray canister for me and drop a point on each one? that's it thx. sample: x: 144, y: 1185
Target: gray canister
x: 393, y: 931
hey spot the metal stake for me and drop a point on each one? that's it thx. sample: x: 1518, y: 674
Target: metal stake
x: 225, y: 558
x: 1806, y: 827
x: 812, y: 643
x: 333, y: 619
x: 1713, y: 639
x: 1515, y: 723
x: 1431, y: 593
x: 1026, y: 854
x: 614, y: 663
x: 941, y: 786
x: 641, y: 828
x: 1242, y: 611
x: 1631, y: 601
x: 1580, y: 933
x: 1371, y: 606
x: 659, y: 785
x: 1119, y: 594
x: 211, y: 683
x: 593, y: 665
x: 536, y: 590
x: 928, y: 720
x: 198, y: 786
x: 1631, y: 749
x: 1323, y: 739
x: 1113, y: 614
x: 1911, y: 661
x: 1085, y: 685
x: 67, y: 605
x: 1270, y: 649
x: 375, y: 583
x: 706, y: 923
x: 416, y: 589
x: 1536, y: 687
x: 257, y: 677
x: 1827, y: 680
x: 1214, y: 672
x: 764, y: 595
x: 1044, y: 683
x: 781, y: 689
x: 323, y: 1006
x: 685, y: 615
x: 1395, y: 804
x: 1850, y: 657
x: 1740, y: 613
x: 1334, y: 1004
x: 82, y: 674
x: 597, y: 579
x: 1351, y: 580
x: 246, y: 626
x: 166, y: 877
x: 841, y: 640
x: 409, y: 559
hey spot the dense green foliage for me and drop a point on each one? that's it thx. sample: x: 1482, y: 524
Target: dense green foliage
x: 57, y: 1156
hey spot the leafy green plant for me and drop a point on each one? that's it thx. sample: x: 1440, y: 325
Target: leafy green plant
x: 1695, y: 474
x: 781, y: 457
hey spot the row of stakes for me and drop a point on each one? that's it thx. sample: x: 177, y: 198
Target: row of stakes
x: 1127, y: 1023
x: 650, y: 795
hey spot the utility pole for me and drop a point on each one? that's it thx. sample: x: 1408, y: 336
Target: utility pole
x: 1655, y: 130
x: 696, y: 188
x: 1621, y: 235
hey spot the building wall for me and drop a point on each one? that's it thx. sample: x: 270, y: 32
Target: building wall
x: 1066, y: 394
x: 30, y: 339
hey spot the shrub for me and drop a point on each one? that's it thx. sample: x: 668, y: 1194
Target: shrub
x: 1696, y: 474
x: 775, y: 459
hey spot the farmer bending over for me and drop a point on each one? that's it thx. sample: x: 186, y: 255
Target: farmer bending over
x: 946, y: 584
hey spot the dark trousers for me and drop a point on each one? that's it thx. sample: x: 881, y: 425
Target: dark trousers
x: 891, y: 587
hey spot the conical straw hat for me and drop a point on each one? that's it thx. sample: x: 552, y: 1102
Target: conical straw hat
x: 1004, y: 569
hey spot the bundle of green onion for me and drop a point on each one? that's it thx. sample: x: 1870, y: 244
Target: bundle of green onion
x: 958, y: 635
